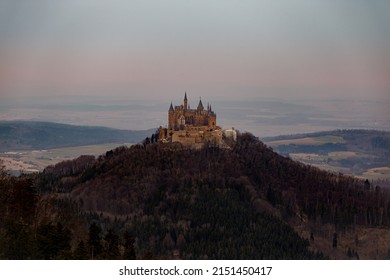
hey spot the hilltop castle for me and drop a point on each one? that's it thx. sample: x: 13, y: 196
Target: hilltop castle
x: 182, y: 116
x: 191, y: 126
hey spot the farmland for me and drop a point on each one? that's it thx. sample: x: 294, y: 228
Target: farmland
x: 37, y: 160
x: 362, y: 153
x: 314, y: 141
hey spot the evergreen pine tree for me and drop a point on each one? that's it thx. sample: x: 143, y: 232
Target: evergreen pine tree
x: 129, y: 251
x: 112, y: 245
x: 81, y: 251
x: 94, y: 241
x: 335, y: 240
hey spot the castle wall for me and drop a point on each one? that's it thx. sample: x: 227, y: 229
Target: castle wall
x: 230, y: 133
x: 197, y: 135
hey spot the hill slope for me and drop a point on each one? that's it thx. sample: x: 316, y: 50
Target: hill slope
x: 31, y: 135
x: 238, y: 203
x: 217, y: 194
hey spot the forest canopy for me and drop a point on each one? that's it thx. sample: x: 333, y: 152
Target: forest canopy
x: 169, y: 201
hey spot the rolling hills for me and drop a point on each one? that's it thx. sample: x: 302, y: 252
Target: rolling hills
x: 362, y: 153
x: 33, y: 135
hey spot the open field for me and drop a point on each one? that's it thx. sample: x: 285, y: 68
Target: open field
x: 320, y: 161
x: 37, y: 160
x: 378, y: 173
x: 331, y: 162
x: 361, y: 153
x: 314, y: 141
x: 14, y: 165
x: 343, y: 155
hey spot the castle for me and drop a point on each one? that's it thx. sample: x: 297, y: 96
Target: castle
x: 191, y: 126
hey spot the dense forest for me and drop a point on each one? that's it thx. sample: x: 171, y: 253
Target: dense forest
x: 166, y: 201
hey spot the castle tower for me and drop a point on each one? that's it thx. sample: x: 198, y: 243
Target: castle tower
x: 185, y: 101
x: 171, y: 117
x: 212, y: 121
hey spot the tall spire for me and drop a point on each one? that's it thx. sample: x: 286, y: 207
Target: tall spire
x: 171, y: 107
x: 200, y: 105
x: 185, y: 101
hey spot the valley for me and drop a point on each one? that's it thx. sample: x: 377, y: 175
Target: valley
x: 361, y: 153
x: 36, y: 160
x: 30, y: 146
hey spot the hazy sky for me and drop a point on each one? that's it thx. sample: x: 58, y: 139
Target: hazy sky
x: 140, y: 49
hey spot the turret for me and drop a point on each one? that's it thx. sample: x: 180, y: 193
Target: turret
x: 200, y: 105
x: 212, y: 121
x: 171, y: 117
x: 185, y: 101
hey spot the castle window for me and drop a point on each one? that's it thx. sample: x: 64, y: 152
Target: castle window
x: 182, y: 120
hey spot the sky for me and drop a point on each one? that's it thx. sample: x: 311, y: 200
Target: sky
x: 213, y: 48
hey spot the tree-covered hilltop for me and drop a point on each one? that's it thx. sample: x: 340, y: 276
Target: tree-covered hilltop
x: 166, y: 201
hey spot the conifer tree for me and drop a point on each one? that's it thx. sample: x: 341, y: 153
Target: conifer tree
x: 112, y: 245
x: 94, y: 241
x: 335, y: 240
x: 129, y: 251
x: 81, y: 251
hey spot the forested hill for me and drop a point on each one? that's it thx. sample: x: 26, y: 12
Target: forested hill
x: 165, y: 201
x: 30, y: 135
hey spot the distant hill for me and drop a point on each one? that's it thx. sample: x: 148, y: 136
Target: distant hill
x: 363, y: 153
x: 32, y: 135
x: 164, y: 201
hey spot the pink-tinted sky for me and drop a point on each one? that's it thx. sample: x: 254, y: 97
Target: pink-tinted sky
x: 146, y: 49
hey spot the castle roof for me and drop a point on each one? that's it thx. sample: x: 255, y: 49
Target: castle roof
x: 171, y: 107
x: 200, y: 105
x: 185, y: 95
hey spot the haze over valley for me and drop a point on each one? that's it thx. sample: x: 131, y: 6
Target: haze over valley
x: 262, y: 116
